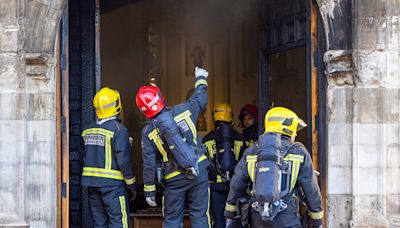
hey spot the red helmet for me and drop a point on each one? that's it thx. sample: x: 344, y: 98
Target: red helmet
x: 248, y: 109
x: 150, y: 100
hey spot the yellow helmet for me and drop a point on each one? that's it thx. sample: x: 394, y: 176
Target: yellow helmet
x: 222, y: 112
x: 284, y: 121
x: 107, y: 103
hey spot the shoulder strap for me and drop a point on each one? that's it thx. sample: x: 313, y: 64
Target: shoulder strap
x: 284, y: 153
x: 285, y: 150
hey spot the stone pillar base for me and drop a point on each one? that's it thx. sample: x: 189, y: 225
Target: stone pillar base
x: 370, y: 218
x: 14, y: 226
x: 12, y: 221
x: 395, y: 222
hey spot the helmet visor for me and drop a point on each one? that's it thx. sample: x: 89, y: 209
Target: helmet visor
x: 301, y: 125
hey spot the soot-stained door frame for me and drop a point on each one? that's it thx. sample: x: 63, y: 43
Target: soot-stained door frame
x: 62, y: 119
x: 84, y: 81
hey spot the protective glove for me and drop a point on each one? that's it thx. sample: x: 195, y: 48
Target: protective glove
x: 228, y: 222
x: 316, y: 223
x: 229, y: 215
x: 151, y: 201
x: 131, y: 192
x: 200, y: 72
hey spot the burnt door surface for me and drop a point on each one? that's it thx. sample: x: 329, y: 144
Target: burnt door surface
x: 284, y: 55
x: 82, y: 87
x: 285, y: 26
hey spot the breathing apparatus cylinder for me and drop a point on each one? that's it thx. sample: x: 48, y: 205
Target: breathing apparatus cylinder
x: 184, y: 154
x: 227, y: 158
x: 267, y: 182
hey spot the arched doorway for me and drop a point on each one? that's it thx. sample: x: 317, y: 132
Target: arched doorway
x: 277, y: 55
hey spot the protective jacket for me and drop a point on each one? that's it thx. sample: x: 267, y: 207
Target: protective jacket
x: 250, y: 135
x: 107, y: 159
x: 302, y: 178
x: 156, y: 152
x: 215, y: 151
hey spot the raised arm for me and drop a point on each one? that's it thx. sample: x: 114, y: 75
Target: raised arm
x: 199, y: 99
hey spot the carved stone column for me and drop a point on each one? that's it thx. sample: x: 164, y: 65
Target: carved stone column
x: 363, y: 113
x: 28, y: 32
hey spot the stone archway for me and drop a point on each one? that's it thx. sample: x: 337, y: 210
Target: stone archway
x: 28, y: 31
x: 362, y: 106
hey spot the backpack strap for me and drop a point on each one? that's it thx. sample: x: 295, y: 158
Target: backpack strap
x: 284, y: 153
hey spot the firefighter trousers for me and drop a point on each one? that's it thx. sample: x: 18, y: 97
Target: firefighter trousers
x: 218, y: 200
x: 109, y: 206
x: 180, y: 191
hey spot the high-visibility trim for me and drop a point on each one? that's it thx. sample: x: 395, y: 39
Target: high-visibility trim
x: 130, y: 181
x: 200, y: 82
x: 296, y: 163
x: 230, y: 207
x: 219, y: 179
x: 105, y: 173
x: 108, y: 152
x: 152, y: 102
x: 186, y: 117
x: 211, y: 146
x: 153, y: 136
x: 163, y: 206
x: 251, y: 165
x: 249, y: 143
x: 316, y: 215
x: 202, y: 158
x: 208, y: 209
x: 172, y: 175
x: 98, y: 131
x: 237, y: 148
x: 149, y: 188
x: 251, y: 158
x: 300, y: 158
x: 276, y: 118
x: 123, y: 211
x: 112, y: 104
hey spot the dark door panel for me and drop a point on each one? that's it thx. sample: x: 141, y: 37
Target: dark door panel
x: 82, y: 88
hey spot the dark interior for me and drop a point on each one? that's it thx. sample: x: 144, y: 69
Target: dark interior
x: 256, y: 52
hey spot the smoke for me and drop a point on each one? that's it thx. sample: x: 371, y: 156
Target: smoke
x: 208, y: 16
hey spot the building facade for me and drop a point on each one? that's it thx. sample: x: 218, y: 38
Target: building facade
x: 362, y: 106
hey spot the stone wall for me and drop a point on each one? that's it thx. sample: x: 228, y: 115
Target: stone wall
x: 28, y: 31
x: 363, y: 112
x: 363, y: 109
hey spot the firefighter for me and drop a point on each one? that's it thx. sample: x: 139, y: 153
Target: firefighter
x: 248, y: 117
x: 225, y: 148
x: 184, y: 183
x: 108, y: 167
x: 297, y: 175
